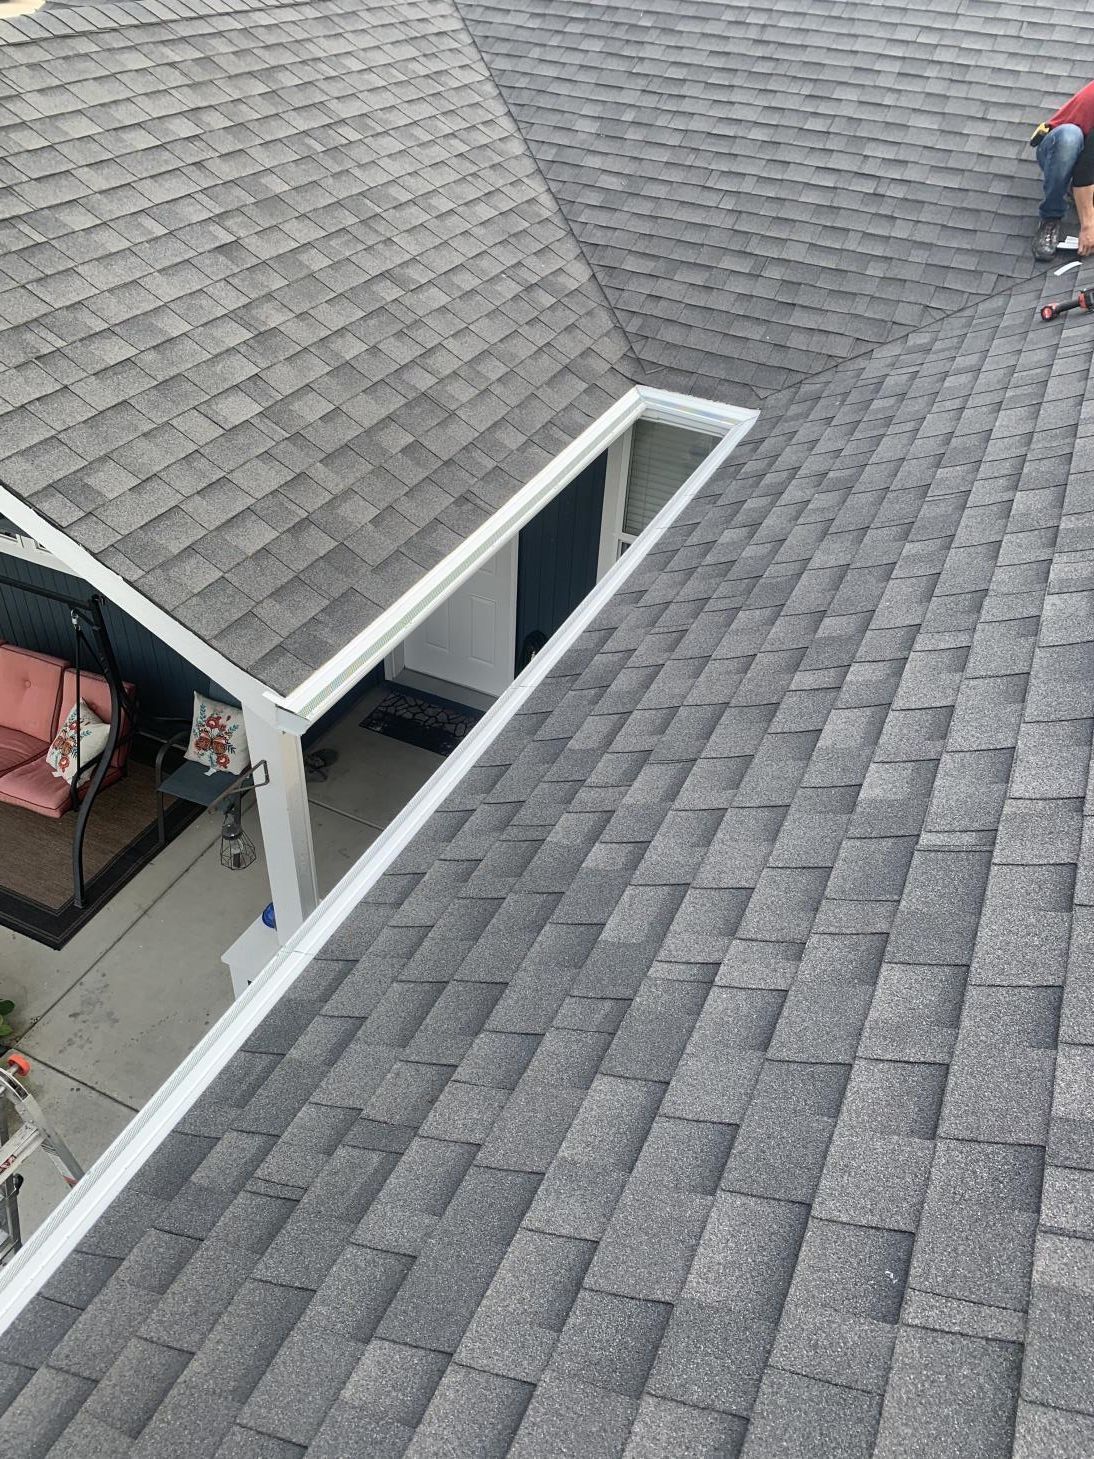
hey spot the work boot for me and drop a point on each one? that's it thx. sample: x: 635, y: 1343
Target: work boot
x: 1045, y: 239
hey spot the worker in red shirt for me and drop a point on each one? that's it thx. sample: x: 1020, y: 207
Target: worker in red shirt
x: 1065, y: 155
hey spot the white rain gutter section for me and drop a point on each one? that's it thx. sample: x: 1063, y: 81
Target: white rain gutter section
x: 63, y: 1229
x: 321, y: 690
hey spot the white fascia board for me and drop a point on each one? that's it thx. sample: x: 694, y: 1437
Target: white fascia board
x: 64, y: 1228
x: 284, y: 718
x: 339, y: 674
x: 81, y: 563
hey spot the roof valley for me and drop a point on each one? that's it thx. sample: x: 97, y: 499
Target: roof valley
x: 636, y: 366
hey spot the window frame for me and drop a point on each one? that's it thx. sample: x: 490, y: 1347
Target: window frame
x: 614, y: 541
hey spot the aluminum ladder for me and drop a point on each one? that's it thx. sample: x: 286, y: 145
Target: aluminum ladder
x: 31, y: 1133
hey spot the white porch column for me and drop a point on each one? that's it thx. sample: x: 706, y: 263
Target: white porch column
x: 285, y: 818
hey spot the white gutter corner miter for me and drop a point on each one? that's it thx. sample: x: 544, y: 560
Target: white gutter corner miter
x: 328, y: 684
x: 63, y: 1229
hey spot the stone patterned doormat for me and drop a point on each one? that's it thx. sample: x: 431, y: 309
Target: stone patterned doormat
x: 422, y: 719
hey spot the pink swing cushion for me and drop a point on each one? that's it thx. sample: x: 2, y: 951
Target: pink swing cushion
x: 29, y: 781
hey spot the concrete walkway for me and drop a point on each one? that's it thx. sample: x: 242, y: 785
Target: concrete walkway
x: 108, y: 1017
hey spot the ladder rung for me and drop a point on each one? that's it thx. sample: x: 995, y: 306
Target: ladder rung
x: 18, y: 1149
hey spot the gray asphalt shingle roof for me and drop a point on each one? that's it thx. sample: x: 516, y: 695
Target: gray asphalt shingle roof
x: 711, y: 1075
x: 286, y: 307
x: 767, y: 189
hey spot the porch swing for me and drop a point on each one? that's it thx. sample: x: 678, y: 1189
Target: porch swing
x: 91, y: 646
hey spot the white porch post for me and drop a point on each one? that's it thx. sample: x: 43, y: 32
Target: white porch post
x: 285, y: 818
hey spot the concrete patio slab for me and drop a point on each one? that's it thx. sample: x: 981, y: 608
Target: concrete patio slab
x: 107, y: 1018
x: 119, y: 1027
x: 377, y: 797
x: 35, y: 976
x: 138, y: 1011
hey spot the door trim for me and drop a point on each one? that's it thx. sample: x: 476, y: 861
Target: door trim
x: 615, y: 500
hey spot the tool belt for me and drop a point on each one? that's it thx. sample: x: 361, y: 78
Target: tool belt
x: 1040, y: 134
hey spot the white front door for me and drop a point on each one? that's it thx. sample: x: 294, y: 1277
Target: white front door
x: 471, y: 638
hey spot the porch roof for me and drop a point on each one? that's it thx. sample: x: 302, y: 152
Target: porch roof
x: 286, y: 307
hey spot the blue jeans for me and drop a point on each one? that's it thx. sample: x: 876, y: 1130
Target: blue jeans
x: 1056, y: 157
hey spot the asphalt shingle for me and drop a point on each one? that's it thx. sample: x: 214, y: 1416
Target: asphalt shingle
x: 756, y: 228
x: 308, y: 304
x: 711, y: 1075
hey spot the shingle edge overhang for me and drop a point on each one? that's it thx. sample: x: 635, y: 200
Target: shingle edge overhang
x: 79, y: 561
x: 62, y: 1230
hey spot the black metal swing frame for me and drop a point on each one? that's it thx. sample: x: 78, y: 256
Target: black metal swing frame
x: 89, y: 631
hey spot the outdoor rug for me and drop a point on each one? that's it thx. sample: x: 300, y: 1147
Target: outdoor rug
x: 422, y: 719
x: 36, y: 856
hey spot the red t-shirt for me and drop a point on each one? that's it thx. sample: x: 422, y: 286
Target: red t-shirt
x: 1079, y: 111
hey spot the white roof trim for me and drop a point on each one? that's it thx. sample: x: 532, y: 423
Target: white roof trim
x: 63, y: 1229
x: 339, y: 674
x: 84, y: 564
x: 328, y: 684
x: 323, y: 688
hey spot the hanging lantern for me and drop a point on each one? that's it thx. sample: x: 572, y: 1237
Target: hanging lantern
x: 237, y: 850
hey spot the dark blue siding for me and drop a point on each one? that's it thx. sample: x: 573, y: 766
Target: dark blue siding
x: 558, y: 555
x: 165, y: 681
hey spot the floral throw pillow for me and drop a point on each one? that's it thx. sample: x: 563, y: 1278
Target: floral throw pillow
x: 93, y: 735
x: 217, y: 736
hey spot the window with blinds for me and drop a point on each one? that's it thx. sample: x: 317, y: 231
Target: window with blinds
x: 662, y: 459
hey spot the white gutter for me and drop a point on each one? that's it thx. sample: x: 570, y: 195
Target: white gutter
x: 689, y: 412
x: 323, y: 688
x: 63, y: 1229
x: 328, y: 684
